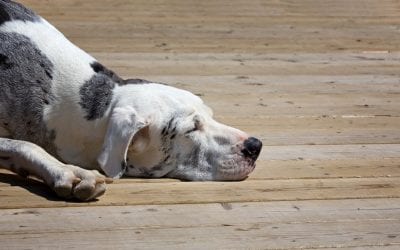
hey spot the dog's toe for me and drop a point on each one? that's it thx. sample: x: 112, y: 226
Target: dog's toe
x: 100, y: 189
x: 85, y: 185
x: 92, y: 184
x: 84, y: 190
x: 65, y: 184
x: 63, y: 190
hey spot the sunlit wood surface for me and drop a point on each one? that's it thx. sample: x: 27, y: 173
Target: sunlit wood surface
x: 317, y: 81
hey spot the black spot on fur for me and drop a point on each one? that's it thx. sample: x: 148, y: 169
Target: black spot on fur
x: 135, y: 81
x: 96, y: 93
x: 97, y: 67
x: 164, y: 131
x: 210, y: 158
x: 48, y: 74
x: 100, y: 69
x: 5, y: 158
x: 10, y: 10
x: 194, y: 157
x: 5, y: 62
x: 170, y: 123
x: 96, y: 96
x: 4, y: 16
x: 23, y: 89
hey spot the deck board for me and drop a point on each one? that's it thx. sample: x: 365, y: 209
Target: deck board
x: 317, y: 81
x: 140, y: 193
x: 257, y: 225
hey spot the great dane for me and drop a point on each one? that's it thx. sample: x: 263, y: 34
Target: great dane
x: 73, y: 123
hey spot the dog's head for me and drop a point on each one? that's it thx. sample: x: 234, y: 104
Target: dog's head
x: 162, y: 131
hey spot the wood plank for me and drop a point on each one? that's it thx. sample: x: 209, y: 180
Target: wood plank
x: 278, y: 84
x: 139, y: 193
x: 317, y: 81
x: 271, y: 225
x: 324, y: 168
x: 207, y: 64
x: 258, y: 26
x: 329, y: 152
x: 319, y: 94
x: 294, y: 169
x: 274, y: 179
x: 317, y: 130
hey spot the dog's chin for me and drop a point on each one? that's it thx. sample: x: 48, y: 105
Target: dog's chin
x: 238, y: 174
x: 235, y: 170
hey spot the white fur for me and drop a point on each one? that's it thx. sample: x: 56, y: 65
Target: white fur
x: 130, y: 128
x: 67, y: 180
x: 124, y: 123
x: 71, y: 68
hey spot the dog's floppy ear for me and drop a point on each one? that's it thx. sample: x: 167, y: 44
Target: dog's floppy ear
x: 124, y: 123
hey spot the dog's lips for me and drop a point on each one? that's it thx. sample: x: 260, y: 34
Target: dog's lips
x: 235, y: 170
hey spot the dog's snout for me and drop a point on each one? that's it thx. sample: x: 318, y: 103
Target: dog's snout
x: 252, y: 148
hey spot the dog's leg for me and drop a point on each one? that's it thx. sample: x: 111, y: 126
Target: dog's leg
x: 25, y: 158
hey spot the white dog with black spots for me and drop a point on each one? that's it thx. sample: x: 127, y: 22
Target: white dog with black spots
x: 71, y: 122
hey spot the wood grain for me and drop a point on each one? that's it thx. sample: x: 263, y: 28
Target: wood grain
x: 295, y: 224
x: 139, y: 193
x: 317, y: 81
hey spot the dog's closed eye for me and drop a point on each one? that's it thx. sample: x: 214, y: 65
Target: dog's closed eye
x: 192, y: 130
x: 198, y: 125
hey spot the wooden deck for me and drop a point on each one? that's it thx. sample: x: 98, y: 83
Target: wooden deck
x: 318, y: 81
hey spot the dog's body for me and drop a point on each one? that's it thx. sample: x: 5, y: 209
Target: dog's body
x: 56, y: 98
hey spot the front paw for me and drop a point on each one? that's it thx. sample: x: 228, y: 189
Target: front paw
x: 82, y: 184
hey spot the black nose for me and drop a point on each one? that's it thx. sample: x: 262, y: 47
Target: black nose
x: 252, y: 148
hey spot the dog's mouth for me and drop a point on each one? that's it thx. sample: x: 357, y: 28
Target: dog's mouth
x: 233, y: 167
x: 237, y: 168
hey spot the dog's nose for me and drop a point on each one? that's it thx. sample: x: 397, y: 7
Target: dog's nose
x: 252, y: 148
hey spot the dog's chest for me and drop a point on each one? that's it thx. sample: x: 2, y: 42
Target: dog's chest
x: 50, y: 91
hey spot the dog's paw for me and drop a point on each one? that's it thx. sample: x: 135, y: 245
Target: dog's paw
x: 82, y: 184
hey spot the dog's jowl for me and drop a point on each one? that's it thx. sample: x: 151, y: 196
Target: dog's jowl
x: 70, y: 121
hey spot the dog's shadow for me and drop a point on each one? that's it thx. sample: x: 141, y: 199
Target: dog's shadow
x: 34, y: 186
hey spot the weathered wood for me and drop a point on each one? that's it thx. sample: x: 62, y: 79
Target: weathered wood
x: 323, y: 168
x: 319, y: 129
x: 317, y: 81
x: 259, y: 27
x: 253, y: 64
x: 296, y: 224
x: 139, y: 193
x: 357, y: 167
x: 329, y: 152
x: 218, y: 26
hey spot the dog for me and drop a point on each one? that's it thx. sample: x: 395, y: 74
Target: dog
x: 71, y: 122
